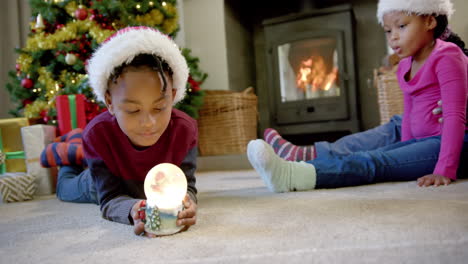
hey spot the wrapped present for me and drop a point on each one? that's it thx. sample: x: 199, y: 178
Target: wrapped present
x: 35, y: 139
x: 17, y: 187
x: 11, y: 145
x: 70, y: 112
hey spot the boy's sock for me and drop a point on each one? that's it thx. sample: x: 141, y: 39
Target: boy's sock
x: 286, y: 149
x: 67, y: 150
x: 74, y: 136
x: 278, y: 174
x: 62, y: 153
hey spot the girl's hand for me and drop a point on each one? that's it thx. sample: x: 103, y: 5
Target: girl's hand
x: 138, y: 225
x: 187, y: 217
x: 433, y: 179
x: 438, y: 111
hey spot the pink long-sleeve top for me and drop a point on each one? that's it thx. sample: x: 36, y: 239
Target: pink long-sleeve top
x: 442, y: 77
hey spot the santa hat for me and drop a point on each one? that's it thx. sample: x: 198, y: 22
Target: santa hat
x: 418, y: 7
x: 129, y: 42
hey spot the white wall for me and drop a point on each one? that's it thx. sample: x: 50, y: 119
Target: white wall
x: 14, y: 18
x: 205, y: 35
x: 180, y: 38
x: 458, y: 22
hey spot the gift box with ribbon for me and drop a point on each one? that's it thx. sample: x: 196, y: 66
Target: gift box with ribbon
x: 15, y: 184
x: 70, y: 112
x: 17, y: 187
x: 35, y: 140
x: 11, y: 145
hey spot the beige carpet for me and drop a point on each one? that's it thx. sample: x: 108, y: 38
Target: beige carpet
x: 241, y: 222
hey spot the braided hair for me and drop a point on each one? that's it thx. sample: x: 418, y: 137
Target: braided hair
x: 153, y: 62
x: 443, y: 32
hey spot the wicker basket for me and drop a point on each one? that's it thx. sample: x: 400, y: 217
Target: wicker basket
x: 227, y: 122
x: 389, y: 95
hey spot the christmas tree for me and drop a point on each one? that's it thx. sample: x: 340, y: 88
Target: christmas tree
x: 64, y: 34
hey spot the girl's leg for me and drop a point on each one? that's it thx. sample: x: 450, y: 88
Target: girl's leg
x: 371, y: 139
x: 278, y: 174
x: 286, y: 149
x: 403, y: 161
x: 381, y: 136
x: 76, y: 185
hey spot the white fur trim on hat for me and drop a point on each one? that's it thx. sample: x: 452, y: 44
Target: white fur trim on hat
x: 124, y: 45
x: 418, y: 7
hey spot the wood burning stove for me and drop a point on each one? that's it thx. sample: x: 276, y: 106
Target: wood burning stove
x: 311, y: 71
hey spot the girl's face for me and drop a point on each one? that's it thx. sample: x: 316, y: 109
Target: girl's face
x: 409, y: 35
x: 140, y: 106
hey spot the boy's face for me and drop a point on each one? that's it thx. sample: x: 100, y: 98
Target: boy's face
x: 140, y: 106
x: 409, y: 35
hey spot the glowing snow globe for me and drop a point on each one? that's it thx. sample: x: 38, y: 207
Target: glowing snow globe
x: 165, y: 189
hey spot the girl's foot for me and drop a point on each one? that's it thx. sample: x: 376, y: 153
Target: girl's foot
x: 286, y: 149
x: 278, y: 174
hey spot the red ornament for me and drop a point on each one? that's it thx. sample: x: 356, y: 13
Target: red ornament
x: 27, y: 83
x: 27, y: 101
x: 81, y: 13
x: 17, y: 67
x: 195, y: 85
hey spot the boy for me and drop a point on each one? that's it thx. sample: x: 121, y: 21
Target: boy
x: 140, y: 74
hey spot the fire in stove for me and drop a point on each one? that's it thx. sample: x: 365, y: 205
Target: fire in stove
x: 314, y: 80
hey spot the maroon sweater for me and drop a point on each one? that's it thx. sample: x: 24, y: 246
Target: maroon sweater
x: 118, y: 169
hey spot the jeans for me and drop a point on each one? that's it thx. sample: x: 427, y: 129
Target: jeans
x: 378, y: 155
x: 76, y: 185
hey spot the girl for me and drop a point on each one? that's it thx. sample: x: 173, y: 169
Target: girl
x: 429, y: 152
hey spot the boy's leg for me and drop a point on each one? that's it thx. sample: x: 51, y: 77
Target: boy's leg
x: 75, y: 185
x: 371, y: 139
x: 402, y: 161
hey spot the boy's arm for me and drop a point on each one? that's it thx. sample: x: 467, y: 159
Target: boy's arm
x: 115, y: 204
x: 188, y: 166
x: 111, y: 192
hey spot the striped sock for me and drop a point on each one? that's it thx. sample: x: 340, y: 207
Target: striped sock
x: 286, y: 149
x: 66, y: 150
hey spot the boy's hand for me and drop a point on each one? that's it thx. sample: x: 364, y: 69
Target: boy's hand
x: 138, y: 225
x: 188, y: 216
x: 433, y: 179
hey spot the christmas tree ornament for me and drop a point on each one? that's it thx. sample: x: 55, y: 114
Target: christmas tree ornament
x: 81, y: 13
x: 56, y: 29
x: 39, y: 22
x: 25, y: 102
x: 27, y: 83
x: 70, y: 58
x: 165, y: 188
